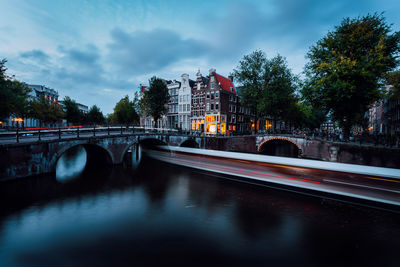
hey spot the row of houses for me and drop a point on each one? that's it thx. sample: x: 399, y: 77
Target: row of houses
x: 210, y: 104
x: 36, y: 92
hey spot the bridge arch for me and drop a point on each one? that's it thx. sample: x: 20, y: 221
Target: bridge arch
x: 190, y: 143
x: 94, y: 152
x: 151, y: 142
x: 279, y: 146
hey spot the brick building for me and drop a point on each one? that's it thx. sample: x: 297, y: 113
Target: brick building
x: 198, y: 103
x: 221, y: 104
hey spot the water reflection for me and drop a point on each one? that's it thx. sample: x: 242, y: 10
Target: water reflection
x: 71, y: 164
x: 161, y: 214
x: 133, y: 156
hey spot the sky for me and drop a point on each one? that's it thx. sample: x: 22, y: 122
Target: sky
x: 96, y: 52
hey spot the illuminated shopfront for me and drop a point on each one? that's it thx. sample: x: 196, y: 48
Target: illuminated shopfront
x: 215, y: 123
x: 197, y: 124
x: 268, y: 125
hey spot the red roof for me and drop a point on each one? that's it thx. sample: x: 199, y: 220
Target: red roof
x: 226, y: 84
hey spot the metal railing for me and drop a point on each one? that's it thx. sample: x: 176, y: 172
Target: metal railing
x: 18, y: 135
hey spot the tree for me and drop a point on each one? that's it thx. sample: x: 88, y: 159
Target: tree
x: 346, y: 67
x: 110, y: 118
x: 44, y: 111
x: 56, y: 113
x: 95, y: 115
x: 38, y: 109
x: 124, y: 112
x: 268, y: 85
x: 251, y: 73
x: 393, y: 78
x: 136, y: 103
x: 13, y: 95
x: 280, y: 84
x: 19, y: 99
x: 72, y: 113
x: 155, y: 99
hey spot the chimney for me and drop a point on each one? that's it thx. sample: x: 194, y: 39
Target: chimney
x: 230, y: 77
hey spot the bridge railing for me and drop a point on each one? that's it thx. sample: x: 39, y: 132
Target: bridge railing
x: 37, y: 134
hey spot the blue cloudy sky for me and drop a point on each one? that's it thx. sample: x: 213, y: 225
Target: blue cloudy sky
x: 98, y: 51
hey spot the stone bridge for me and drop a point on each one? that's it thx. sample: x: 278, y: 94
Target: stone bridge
x: 25, y: 159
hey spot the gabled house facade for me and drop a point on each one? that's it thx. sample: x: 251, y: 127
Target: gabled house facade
x: 185, y: 103
x: 221, y: 105
x: 198, y: 103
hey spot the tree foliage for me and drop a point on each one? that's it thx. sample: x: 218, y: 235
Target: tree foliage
x: 44, y: 111
x: 124, y: 112
x: 393, y: 78
x: 13, y: 95
x: 280, y: 86
x: 250, y: 74
x: 268, y: 85
x: 95, y: 115
x: 72, y: 113
x: 155, y: 99
x: 346, y: 66
x: 136, y: 103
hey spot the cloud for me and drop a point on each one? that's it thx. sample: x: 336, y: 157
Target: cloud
x: 81, y: 65
x: 97, y: 65
x: 143, y: 52
x: 88, y: 55
x: 36, y: 55
x: 286, y: 27
x: 78, y: 72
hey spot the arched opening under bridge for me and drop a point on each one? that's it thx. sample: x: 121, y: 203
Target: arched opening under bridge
x: 280, y: 147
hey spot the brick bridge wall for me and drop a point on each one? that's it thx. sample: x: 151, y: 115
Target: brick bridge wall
x: 24, y: 159
x: 313, y: 149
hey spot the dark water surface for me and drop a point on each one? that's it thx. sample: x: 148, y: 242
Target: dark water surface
x: 162, y: 214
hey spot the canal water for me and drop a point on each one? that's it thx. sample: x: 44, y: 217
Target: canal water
x: 148, y: 213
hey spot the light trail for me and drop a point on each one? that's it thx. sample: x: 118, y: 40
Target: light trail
x: 335, y: 182
x: 360, y: 185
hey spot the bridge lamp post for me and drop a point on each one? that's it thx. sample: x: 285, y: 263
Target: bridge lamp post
x: 17, y: 120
